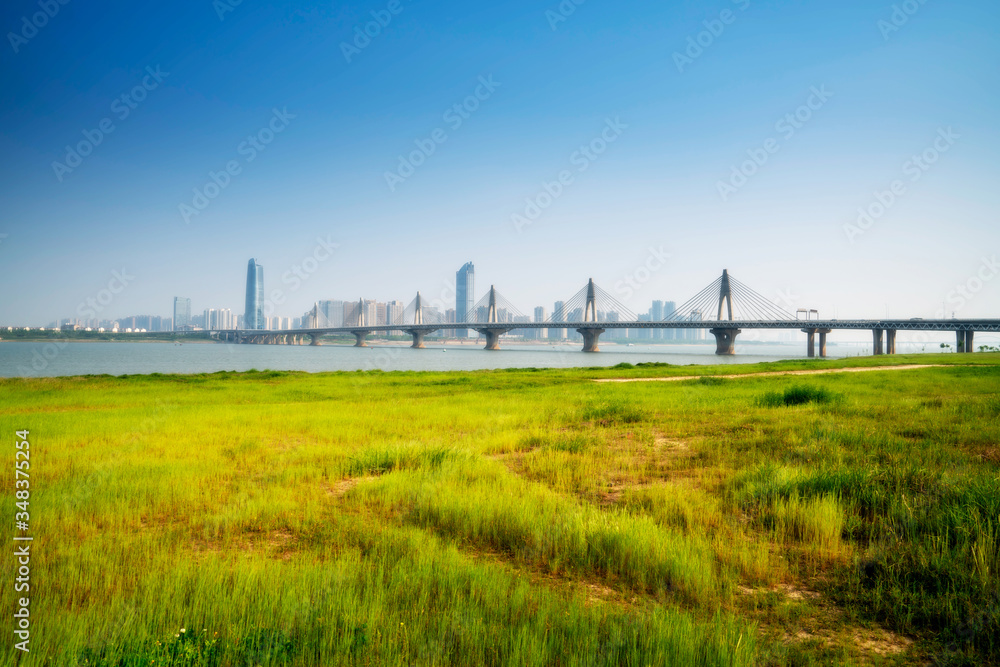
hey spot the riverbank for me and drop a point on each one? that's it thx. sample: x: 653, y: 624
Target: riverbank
x: 517, y: 516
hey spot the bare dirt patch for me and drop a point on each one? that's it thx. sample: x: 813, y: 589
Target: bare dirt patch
x: 345, y: 485
x: 823, y: 625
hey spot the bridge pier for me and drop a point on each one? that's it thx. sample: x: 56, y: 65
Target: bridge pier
x: 590, y: 339
x: 810, y: 342
x: 492, y: 337
x: 418, y: 338
x: 314, y: 339
x: 890, y: 341
x: 876, y: 341
x: 822, y: 341
x: 965, y: 341
x: 725, y: 340
x: 359, y: 337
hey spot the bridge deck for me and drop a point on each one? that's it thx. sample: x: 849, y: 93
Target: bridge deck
x: 887, y: 324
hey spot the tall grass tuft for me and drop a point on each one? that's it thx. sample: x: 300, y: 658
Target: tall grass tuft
x: 816, y: 522
x: 796, y: 395
x: 614, y: 412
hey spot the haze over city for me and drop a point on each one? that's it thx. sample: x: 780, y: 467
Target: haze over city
x: 842, y: 155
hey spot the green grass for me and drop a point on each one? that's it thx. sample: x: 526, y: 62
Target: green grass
x: 514, y: 517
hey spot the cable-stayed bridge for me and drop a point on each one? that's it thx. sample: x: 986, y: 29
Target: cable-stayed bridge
x: 725, y: 307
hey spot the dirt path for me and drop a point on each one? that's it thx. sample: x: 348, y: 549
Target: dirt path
x: 822, y: 371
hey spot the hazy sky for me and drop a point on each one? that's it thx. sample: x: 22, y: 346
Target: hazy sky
x: 648, y: 112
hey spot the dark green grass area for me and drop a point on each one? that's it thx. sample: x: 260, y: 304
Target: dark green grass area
x: 794, y: 395
x: 528, y: 517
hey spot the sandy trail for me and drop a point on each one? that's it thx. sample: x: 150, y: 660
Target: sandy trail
x: 821, y: 371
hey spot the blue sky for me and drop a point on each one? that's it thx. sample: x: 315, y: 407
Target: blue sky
x: 889, y: 92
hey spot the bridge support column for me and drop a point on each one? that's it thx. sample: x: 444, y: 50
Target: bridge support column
x: 810, y: 342
x: 725, y: 340
x: 418, y: 338
x: 890, y: 341
x: 492, y: 337
x: 969, y: 345
x: 876, y: 341
x: 822, y: 341
x: 314, y: 339
x: 359, y: 337
x: 590, y: 338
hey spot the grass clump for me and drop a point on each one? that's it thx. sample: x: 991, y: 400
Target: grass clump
x: 795, y: 395
x: 380, y: 459
x: 617, y: 411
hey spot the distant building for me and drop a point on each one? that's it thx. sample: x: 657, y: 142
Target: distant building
x: 330, y: 313
x: 540, y: 316
x: 394, y: 311
x: 669, y: 308
x: 465, y: 296
x: 253, y: 317
x: 182, y: 313
x: 218, y: 319
x: 695, y: 334
x: 656, y: 315
x: 558, y: 315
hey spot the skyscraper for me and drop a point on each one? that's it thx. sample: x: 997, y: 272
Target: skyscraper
x: 558, y: 315
x: 656, y: 315
x: 465, y: 291
x: 254, y: 316
x: 182, y: 313
x: 669, y: 308
x: 540, y: 317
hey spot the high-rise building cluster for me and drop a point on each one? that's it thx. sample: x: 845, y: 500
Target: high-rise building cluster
x: 336, y: 313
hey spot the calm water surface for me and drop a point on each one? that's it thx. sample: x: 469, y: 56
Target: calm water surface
x: 54, y: 359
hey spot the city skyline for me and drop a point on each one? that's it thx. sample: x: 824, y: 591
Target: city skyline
x: 335, y: 313
x: 811, y: 150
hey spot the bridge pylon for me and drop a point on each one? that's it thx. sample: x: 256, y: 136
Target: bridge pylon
x: 590, y: 308
x: 725, y: 295
x: 418, y: 320
x: 418, y: 313
x: 491, y: 313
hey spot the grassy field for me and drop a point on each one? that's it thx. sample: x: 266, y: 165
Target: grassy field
x: 523, y: 517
